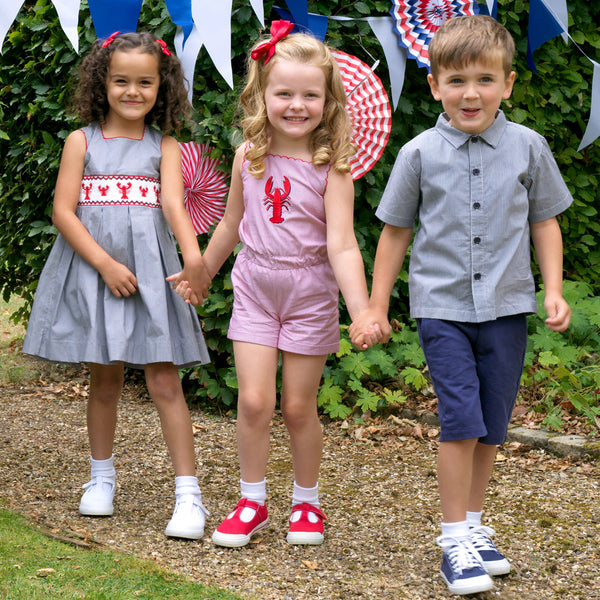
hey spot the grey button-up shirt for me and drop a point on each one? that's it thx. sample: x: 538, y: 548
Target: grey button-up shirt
x: 471, y: 199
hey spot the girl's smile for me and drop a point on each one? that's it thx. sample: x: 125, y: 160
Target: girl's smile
x: 295, y: 99
x: 131, y: 86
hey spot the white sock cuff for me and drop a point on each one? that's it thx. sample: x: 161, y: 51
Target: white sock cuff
x: 103, y: 467
x: 474, y: 518
x: 187, y: 484
x: 308, y: 495
x: 458, y: 530
x: 255, y: 491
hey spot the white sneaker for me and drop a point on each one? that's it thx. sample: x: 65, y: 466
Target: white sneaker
x: 188, y: 518
x: 97, y: 500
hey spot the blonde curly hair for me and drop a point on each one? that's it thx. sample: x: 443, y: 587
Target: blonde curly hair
x: 330, y: 141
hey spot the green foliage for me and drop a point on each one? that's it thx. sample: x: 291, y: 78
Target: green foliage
x: 565, y: 366
x: 35, y: 73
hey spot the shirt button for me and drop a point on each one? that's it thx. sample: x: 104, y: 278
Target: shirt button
x: 474, y: 139
x: 477, y: 276
x: 476, y: 205
x: 476, y: 240
x: 475, y: 171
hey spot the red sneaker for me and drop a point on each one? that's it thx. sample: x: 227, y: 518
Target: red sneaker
x: 306, y: 525
x: 241, y: 524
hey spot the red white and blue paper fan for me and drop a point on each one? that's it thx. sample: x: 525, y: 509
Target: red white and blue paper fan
x: 416, y: 21
x: 369, y: 109
x: 205, y: 187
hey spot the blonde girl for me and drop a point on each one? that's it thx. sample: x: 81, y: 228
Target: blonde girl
x: 102, y: 297
x: 291, y: 205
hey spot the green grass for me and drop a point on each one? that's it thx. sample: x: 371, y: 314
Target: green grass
x: 34, y: 566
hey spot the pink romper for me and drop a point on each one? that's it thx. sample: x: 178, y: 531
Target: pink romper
x: 285, y: 292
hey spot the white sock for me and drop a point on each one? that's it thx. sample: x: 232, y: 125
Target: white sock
x: 187, y: 484
x: 257, y: 492
x: 308, y: 495
x: 474, y: 519
x: 458, y: 530
x: 103, y: 467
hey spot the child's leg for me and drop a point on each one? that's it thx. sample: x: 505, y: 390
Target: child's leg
x: 106, y: 384
x: 484, y: 456
x: 455, y: 477
x: 164, y: 387
x: 301, y: 376
x: 256, y: 369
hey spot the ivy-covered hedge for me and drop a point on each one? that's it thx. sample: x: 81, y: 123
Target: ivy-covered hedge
x: 35, y: 72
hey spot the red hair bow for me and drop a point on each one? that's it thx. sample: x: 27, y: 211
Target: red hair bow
x: 279, y: 31
x: 110, y: 39
x: 163, y: 45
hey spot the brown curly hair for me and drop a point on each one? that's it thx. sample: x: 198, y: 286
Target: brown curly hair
x: 171, y: 108
x: 330, y: 141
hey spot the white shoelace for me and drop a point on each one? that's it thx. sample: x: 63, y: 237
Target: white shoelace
x: 461, y: 553
x: 481, y: 538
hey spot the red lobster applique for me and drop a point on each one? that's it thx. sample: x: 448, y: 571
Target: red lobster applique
x: 276, y: 200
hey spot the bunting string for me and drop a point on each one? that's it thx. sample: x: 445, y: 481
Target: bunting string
x: 207, y: 23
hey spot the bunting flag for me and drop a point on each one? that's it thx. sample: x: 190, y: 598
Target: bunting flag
x: 181, y: 14
x: 542, y: 27
x: 416, y: 22
x: 9, y: 9
x: 259, y: 10
x: 212, y: 19
x: 299, y: 10
x: 109, y: 16
x: 208, y: 23
x: 592, y: 131
x: 317, y: 24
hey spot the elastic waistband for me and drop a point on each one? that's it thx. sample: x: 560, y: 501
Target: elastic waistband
x: 282, y: 262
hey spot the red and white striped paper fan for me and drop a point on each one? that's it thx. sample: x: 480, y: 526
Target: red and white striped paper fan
x: 205, y: 187
x: 369, y: 109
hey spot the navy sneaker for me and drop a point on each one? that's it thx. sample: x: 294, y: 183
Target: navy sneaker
x: 461, y: 568
x: 493, y: 561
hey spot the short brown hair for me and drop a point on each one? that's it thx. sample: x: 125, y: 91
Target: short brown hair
x: 171, y: 107
x: 461, y: 41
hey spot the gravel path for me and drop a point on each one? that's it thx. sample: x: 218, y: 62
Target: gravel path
x: 378, y: 489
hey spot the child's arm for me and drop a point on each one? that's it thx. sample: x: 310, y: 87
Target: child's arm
x: 172, y: 194
x: 226, y: 236
x: 343, y: 251
x: 119, y: 279
x: 547, y: 241
x: 391, y: 250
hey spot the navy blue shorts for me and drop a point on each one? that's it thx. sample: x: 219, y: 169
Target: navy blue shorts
x: 476, y: 370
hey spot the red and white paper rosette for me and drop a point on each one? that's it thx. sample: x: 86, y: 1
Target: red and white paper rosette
x: 205, y: 187
x: 369, y: 109
x: 416, y: 21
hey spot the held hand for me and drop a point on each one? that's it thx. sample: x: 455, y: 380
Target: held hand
x: 182, y: 288
x: 369, y: 328
x: 558, y: 311
x: 119, y: 279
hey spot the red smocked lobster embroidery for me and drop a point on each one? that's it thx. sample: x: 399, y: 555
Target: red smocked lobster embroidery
x: 276, y: 200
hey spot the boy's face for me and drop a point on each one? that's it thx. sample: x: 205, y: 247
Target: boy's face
x: 471, y: 95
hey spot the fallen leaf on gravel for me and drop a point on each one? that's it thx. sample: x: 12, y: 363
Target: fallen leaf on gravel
x: 310, y: 564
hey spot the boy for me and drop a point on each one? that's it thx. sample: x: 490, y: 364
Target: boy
x: 479, y: 186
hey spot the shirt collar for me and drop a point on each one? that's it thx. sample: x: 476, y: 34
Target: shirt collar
x: 457, y: 137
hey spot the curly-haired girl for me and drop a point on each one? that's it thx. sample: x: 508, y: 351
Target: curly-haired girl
x: 102, y: 297
x: 291, y: 204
